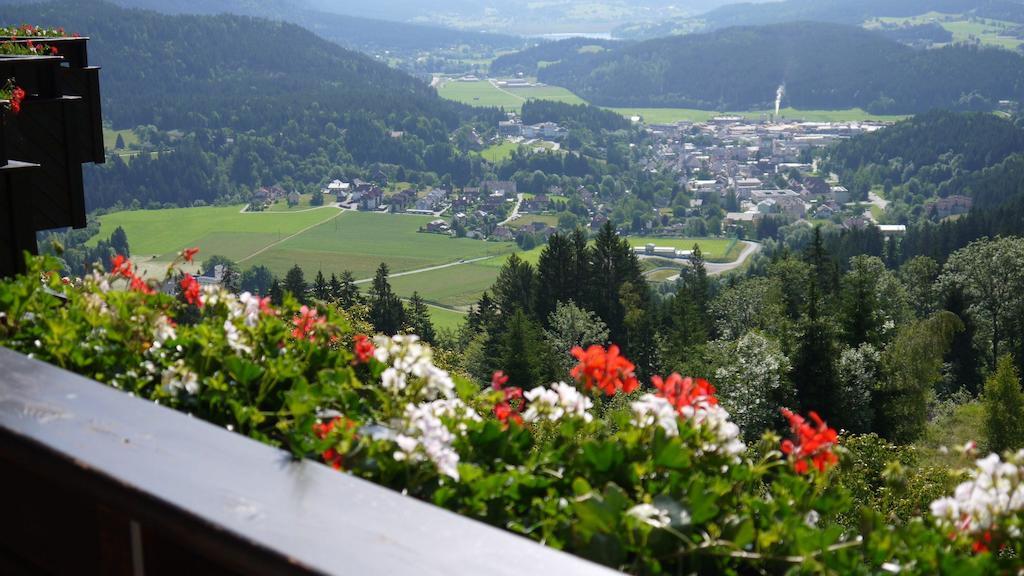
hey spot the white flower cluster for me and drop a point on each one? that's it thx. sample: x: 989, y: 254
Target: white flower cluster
x: 178, y: 377
x: 556, y: 402
x: 650, y: 514
x: 425, y: 437
x: 995, y: 490
x: 651, y: 410
x: 727, y: 434
x: 411, y: 358
x: 248, y: 309
x: 163, y: 330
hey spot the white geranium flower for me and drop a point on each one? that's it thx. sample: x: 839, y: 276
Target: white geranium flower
x: 651, y: 515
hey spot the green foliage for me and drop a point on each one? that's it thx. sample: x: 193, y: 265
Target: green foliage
x: 1004, y: 408
x: 597, y: 484
x: 822, y: 66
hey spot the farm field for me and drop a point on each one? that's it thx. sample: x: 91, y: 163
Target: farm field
x: 456, y: 286
x: 160, y: 234
x: 527, y: 219
x: 330, y: 240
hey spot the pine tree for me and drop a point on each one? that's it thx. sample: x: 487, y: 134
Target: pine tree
x: 859, y: 302
x: 348, y: 294
x: 520, y: 352
x: 257, y: 280
x: 295, y: 284
x: 515, y: 287
x: 579, y: 272
x: 119, y: 242
x: 276, y: 292
x: 320, y: 289
x: 824, y: 268
x: 555, y: 282
x: 334, y: 288
x: 386, y: 311
x: 813, y: 367
x: 417, y: 317
x: 483, y: 316
x: 119, y: 143
x: 1004, y: 408
x: 613, y: 263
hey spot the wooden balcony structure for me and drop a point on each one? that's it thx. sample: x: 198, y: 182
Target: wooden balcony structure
x: 42, y: 148
x: 96, y: 481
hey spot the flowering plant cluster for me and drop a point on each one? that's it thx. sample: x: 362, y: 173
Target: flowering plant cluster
x: 13, y: 95
x: 646, y: 477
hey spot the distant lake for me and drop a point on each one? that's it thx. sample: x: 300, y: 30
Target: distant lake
x: 565, y: 35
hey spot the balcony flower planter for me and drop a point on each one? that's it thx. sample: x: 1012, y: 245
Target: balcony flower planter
x: 59, y: 127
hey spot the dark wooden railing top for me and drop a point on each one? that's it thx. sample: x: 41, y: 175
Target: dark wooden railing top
x: 249, y: 506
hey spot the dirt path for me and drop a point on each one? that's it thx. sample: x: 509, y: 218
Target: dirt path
x: 287, y: 238
x: 430, y: 268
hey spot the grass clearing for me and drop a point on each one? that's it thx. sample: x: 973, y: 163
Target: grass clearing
x: 446, y: 319
x: 456, y: 286
x: 131, y: 141
x: 965, y: 28
x: 714, y: 249
x: 527, y: 219
x: 215, y: 229
x: 499, y: 152
x: 480, y: 93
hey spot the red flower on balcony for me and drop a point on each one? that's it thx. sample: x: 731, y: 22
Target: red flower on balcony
x: 53, y: 50
x: 363, y: 348
x: 17, y: 97
x: 814, y: 443
x: 683, y: 392
x: 322, y: 430
x: 606, y: 369
x: 121, y: 266
x: 189, y: 253
x: 509, y: 408
x: 306, y: 323
x: 190, y: 290
x: 139, y: 285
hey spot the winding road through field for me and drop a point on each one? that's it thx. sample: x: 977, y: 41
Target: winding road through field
x: 716, y: 268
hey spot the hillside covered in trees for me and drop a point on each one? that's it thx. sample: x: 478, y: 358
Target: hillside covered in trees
x: 823, y: 66
x: 252, y: 102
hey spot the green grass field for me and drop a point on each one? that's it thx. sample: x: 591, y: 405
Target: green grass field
x: 444, y: 318
x: 330, y: 240
x: 498, y: 152
x: 713, y: 248
x: 221, y: 229
x: 483, y: 93
x: 527, y: 219
x: 131, y: 141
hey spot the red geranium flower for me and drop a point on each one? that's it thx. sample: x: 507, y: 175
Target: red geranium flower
x: 121, y: 266
x: 509, y: 408
x: 606, y: 369
x: 17, y: 97
x: 363, y: 348
x: 53, y: 50
x: 139, y: 285
x: 682, y: 392
x: 331, y: 455
x: 189, y: 253
x: 190, y: 290
x: 814, y: 443
x: 306, y: 323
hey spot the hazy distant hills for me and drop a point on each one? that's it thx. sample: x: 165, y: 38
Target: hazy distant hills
x: 854, y: 12
x: 822, y: 65
x: 182, y: 71
x: 355, y: 32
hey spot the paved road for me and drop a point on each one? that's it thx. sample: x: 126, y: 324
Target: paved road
x: 875, y: 200
x: 714, y: 268
x: 515, y: 211
x: 429, y: 269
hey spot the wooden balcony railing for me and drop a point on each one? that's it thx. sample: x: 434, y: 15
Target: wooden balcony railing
x: 95, y: 481
x: 59, y: 128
